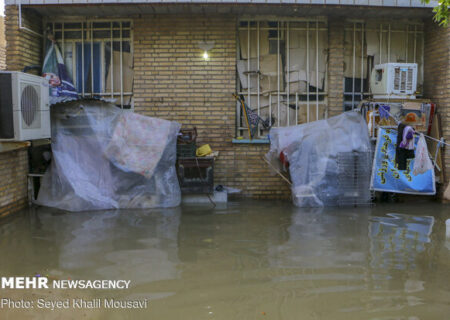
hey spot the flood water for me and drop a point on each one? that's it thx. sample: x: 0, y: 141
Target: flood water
x: 248, y: 260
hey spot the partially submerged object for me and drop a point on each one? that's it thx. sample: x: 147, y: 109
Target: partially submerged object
x: 386, y: 175
x: 313, y: 150
x: 108, y: 158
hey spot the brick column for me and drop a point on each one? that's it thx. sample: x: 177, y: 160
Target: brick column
x: 335, y: 67
x: 13, y: 181
x: 437, y: 77
x: 22, y: 48
x: 2, y: 45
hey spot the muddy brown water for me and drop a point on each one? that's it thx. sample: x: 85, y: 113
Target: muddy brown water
x: 248, y: 260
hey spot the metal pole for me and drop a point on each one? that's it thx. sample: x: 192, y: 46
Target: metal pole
x: 296, y: 108
x: 248, y: 64
x: 307, y: 71
x: 121, y: 68
x: 422, y: 57
x: 362, y: 61
x: 257, y: 74
x: 74, y: 62
x: 92, y: 59
x: 415, y: 42
x: 407, y: 44
x: 278, y: 70
x: 102, y: 67
x: 63, y: 45
x: 288, y: 73
x: 381, y: 41
x: 354, y: 65
x: 317, y: 70
x: 389, y: 43
x: 270, y: 107
x: 82, y: 56
x: 111, y: 63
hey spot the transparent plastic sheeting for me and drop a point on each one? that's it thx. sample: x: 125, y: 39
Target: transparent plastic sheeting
x: 312, y: 150
x: 107, y: 158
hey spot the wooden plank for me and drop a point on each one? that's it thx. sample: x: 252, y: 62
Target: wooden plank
x: 6, y: 146
x: 436, y: 132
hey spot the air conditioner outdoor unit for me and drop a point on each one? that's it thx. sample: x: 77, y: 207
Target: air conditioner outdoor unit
x: 394, y: 80
x: 24, y: 107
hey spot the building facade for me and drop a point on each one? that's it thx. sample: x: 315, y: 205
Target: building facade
x: 292, y: 61
x: 2, y: 44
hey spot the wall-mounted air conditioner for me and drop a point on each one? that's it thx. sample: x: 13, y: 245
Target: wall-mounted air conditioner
x: 394, y: 80
x: 24, y: 107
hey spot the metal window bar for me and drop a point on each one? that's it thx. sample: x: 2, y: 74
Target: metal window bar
x: 381, y: 42
x: 415, y: 42
x: 257, y: 74
x: 248, y: 65
x: 121, y: 67
x: 389, y: 44
x: 278, y: 73
x: 317, y: 70
x: 82, y: 56
x: 284, y: 97
x: 111, y: 64
x: 87, y: 30
x: 63, y: 45
x: 287, y: 73
x: 407, y: 43
x: 307, y: 71
x: 353, y: 65
x: 362, y: 63
x: 359, y: 26
x: 92, y: 59
x: 238, y: 119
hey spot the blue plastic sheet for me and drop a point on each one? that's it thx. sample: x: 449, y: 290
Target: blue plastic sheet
x: 385, y: 175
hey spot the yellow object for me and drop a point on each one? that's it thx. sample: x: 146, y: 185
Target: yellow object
x: 203, y: 150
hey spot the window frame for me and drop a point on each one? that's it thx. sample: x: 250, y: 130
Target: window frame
x: 412, y: 29
x: 87, y: 28
x: 314, y: 25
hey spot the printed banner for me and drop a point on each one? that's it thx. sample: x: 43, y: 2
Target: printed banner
x: 54, y: 70
x: 385, y: 175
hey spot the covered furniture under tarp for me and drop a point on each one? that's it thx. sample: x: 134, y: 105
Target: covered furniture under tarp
x: 108, y: 158
x: 314, y: 150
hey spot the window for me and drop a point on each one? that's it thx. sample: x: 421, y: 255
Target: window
x: 282, y: 71
x: 368, y: 43
x: 99, y: 57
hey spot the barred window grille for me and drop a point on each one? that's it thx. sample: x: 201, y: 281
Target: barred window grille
x: 368, y: 43
x: 282, y: 71
x: 98, y: 55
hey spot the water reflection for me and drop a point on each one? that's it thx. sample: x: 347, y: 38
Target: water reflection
x: 246, y: 259
x: 397, y: 239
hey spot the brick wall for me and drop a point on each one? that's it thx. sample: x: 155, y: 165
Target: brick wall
x: 437, y: 77
x: 23, y: 48
x: 13, y: 181
x: 172, y: 81
x: 2, y: 44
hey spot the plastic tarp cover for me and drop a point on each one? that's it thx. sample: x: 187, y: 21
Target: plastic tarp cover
x: 312, y: 150
x: 108, y: 158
